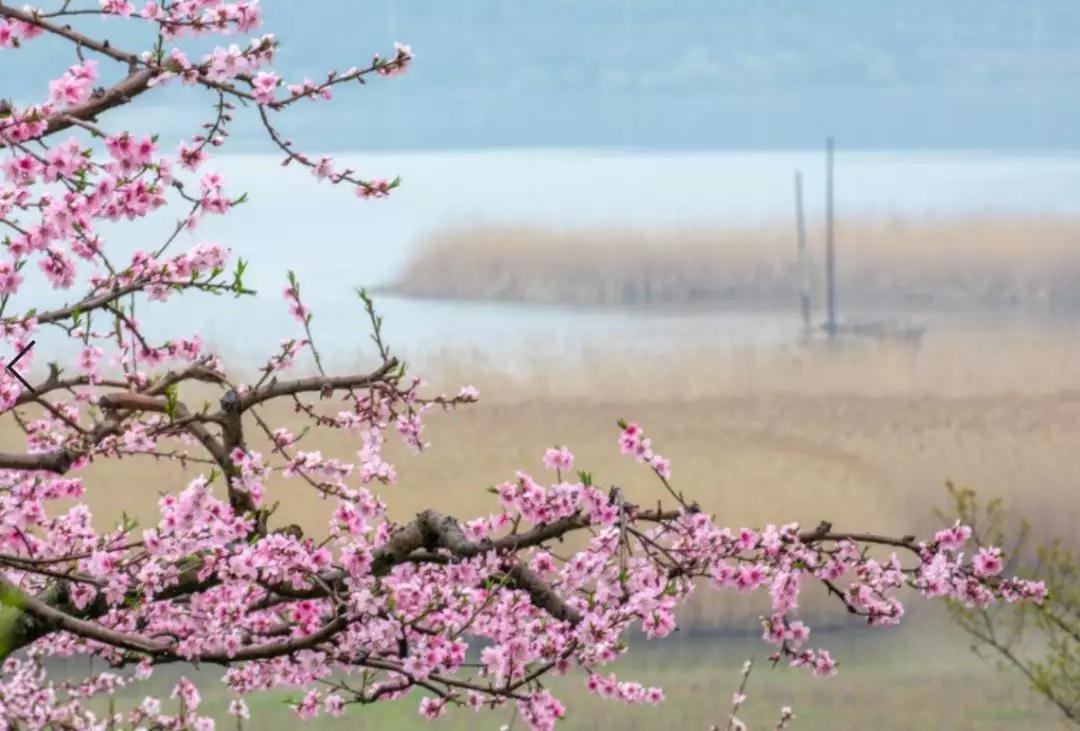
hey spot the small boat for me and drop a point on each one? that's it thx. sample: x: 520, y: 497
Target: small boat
x: 878, y: 329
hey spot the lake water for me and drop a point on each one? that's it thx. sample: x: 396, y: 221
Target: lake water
x: 336, y: 242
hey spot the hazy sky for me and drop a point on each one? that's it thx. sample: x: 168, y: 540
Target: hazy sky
x: 688, y: 74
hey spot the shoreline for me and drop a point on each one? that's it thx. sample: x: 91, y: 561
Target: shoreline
x: 997, y: 264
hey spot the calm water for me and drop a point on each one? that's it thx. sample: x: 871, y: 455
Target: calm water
x: 335, y: 242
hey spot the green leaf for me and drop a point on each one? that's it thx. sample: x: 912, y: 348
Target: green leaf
x: 238, y: 276
x: 171, y: 401
x: 11, y: 612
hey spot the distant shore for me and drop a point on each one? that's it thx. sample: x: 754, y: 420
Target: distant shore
x: 974, y: 263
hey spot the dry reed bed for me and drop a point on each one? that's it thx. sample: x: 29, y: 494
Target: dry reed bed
x: 934, y: 263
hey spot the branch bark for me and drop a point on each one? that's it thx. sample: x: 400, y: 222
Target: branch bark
x: 315, y: 384
x: 117, y: 95
x: 65, y: 31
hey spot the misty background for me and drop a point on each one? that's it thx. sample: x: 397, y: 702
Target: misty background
x: 687, y: 75
x: 624, y: 119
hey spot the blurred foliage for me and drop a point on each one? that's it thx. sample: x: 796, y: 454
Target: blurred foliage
x: 1042, y: 642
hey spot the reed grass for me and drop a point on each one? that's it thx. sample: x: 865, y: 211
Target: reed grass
x: 928, y: 262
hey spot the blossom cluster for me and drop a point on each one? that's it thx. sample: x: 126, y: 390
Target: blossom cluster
x: 350, y: 605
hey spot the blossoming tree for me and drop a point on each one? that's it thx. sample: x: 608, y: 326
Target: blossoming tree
x: 474, y: 613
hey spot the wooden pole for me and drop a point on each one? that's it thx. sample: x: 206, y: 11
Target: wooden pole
x: 804, y: 259
x: 830, y: 254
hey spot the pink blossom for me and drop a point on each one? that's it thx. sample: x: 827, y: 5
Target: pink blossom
x: 263, y: 86
x: 558, y: 458
x: 432, y: 708
x: 117, y: 7
x: 374, y: 189
x: 953, y: 539
x: 988, y: 562
x: 238, y: 708
x: 324, y: 168
x: 58, y: 269
x: 9, y: 279
x: 74, y: 86
x: 661, y: 465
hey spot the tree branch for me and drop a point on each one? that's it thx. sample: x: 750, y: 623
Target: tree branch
x: 65, y: 31
x: 315, y: 384
x: 115, y: 96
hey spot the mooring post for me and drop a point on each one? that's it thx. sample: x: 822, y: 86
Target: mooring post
x: 830, y: 254
x: 804, y: 258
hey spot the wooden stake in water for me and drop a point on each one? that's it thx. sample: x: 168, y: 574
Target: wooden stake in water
x: 830, y: 255
x: 804, y: 258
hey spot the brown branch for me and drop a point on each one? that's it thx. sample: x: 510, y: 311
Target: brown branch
x: 131, y: 401
x: 259, y: 652
x: 315, y: 384
x: 232, y: 437
x: 194, y: 372
x: 450, y: 536
x: 117, y: 95
x: 25, y: 626
x: 824, y: 532
x: 65, y: 31
x: 88, y: 303
x: 63, y: 559
x: 58, y: 461
x: 428, y: 532
x: 121, y: 93
x: 54, y: 619
x: 286, y: 647
x: 53, y: 383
